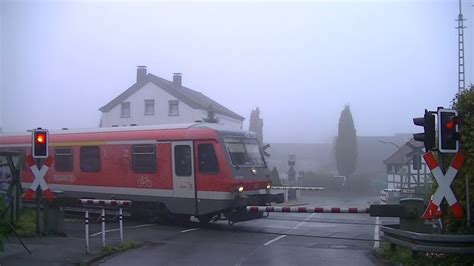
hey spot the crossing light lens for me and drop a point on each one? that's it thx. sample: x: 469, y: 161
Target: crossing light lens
x: 254, y: 171
x: 450, y: 125
x: 40, y: 138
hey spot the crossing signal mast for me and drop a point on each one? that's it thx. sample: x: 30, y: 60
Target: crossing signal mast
x: 40, y: 143
x: 428, y: 137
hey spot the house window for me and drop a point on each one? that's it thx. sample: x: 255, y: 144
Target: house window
x: 144, y: 158
x: 149, y: 107
x: 174, y: 108
x: 125, y: 109
x: 90, y: 159
x: 207, y: 158
x: 63, y: 159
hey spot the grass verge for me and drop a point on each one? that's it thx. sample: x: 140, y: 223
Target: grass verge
x: 110, y: 250
x: 26, y: 226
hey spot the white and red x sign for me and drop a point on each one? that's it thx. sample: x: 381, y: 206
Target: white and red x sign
x: 39, y: 178
x: 444, y: 189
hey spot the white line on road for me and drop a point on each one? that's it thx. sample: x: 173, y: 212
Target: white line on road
x: 126, y: 227
x: 377, y: 233
x: 274, y: 240
x: 189, y: 230
x: 305, y: 220
x: 294, y: 228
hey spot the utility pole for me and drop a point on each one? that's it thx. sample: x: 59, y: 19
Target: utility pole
x: 460, y: 27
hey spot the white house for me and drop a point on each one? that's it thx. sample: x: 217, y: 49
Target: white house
x: 153, y: 100
x: 406, y: 167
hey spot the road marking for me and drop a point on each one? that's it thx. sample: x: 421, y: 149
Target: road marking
x: 377, y: 233
x: 189, y: 230
x: 305, y: 220
x: 125, y: 227
x: 274, y: 240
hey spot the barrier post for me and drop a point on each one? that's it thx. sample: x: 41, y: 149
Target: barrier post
x: 86, y: 221
x: 121, y: 224
x: 103, y: 227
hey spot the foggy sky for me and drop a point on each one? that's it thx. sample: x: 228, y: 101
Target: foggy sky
x: 300, y: 63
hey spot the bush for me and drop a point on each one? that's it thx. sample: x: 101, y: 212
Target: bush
x: 464, y: 104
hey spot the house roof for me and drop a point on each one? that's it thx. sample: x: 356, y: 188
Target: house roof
x: 190, y: 97
x: 401, y: 156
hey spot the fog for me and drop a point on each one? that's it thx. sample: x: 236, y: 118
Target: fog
x: 300, y: 63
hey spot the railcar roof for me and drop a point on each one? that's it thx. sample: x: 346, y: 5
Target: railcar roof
x: 217, y: 127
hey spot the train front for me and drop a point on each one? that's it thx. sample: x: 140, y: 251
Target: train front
x: 251, y: 177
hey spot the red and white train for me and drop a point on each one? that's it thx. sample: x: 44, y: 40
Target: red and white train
x: 198, y: 169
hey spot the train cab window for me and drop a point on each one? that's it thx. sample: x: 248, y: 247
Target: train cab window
x: 207, y: 159
x: 63, y: 159
x: 90, y: 159
x: 244, y: 152
x: 144, y: 158
x: 182, y: 160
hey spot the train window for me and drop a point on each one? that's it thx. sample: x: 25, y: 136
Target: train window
x: 244, y: 152
x: 207, y: 158
x: 144, y: 158
x: 63, y: 159
x: 182, y: 160
x: 90, y: 159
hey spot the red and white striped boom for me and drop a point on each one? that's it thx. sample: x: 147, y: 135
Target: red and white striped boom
x: 300, y: 188
x: 106, y: 203
x: 255, y: 209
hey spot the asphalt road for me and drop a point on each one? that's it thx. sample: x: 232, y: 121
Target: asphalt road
x: 280, y: 239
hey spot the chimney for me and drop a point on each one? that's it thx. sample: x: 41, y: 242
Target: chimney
x: 141, y: 73
x: 177, y: 80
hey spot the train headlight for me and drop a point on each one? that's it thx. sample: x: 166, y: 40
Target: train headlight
x: 269, y: 186
x: 240, y: 189
x: 254, y: 171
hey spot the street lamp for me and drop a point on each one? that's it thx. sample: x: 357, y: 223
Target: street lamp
x: 389, y: 142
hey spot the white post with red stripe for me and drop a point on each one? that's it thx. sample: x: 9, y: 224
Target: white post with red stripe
x: 444, y: 190
x: 255, y: 209
x: 39, y: 178
x: 86, y: 221
x: 102, y: 218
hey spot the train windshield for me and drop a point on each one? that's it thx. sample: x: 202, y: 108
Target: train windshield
x: 244, y: 152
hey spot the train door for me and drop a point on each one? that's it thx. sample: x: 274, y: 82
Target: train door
x: 184, y: 187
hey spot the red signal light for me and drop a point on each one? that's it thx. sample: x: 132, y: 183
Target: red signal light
x: 40, y: 138
x: 450, y: 124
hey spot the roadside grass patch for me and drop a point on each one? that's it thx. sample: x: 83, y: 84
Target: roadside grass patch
x: 26, y: 226
x: 110, y: 250
x: 403, y: 256
x: 126, y: 245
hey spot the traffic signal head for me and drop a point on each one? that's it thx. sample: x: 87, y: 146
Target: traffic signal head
x: 428, y: 137
x: 448, y: 125
x: 40, y: 143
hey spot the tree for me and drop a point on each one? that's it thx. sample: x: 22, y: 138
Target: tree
x: 275, y: 177
x: 464, y: 104
x: 346, y: 144
x: 256, y: 124
x: 211, y: 116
